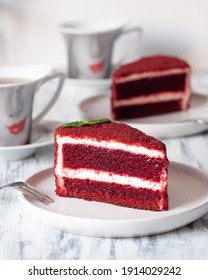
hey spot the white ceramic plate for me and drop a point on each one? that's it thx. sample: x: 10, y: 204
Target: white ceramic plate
x: 42, y: 136
x: 160, y: 126
x: 188, y: 201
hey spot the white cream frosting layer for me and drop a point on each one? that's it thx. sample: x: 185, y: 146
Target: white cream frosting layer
x: 61, y: 140
x: 155, y: 74
x: 108, y: 177
x: 147, y: 99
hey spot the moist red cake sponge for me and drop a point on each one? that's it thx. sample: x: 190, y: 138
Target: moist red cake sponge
x: 149, y: 86
x: 111, y: 162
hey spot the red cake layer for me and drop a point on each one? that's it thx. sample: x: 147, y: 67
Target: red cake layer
x: 130, y: 169
x: 82, y: 156
x: 151, y: 85
x: 147, y: 110
x: 114, y: 194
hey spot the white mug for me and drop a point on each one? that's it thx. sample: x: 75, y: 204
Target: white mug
x: 18, y: 85
x: 90, y: 46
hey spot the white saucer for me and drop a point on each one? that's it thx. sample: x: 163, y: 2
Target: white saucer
x: 93, y: 86
x: 42, y: 136
x: 188, y: 201
x: 160, y: 126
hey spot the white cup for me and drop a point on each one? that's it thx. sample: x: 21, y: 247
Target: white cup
x: 18, y: 85
x: 90, y: 46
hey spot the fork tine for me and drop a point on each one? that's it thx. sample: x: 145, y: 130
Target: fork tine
x: 41, y: 196
x: 29, y: 191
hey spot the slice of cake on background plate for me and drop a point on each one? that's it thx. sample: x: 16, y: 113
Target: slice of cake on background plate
x: 149, y: 86
x: 111, y: 162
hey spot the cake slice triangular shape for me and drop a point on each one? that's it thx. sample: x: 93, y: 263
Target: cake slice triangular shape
x: 113, y: 163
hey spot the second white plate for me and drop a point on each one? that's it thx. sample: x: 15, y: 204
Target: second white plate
x: 188, y: 201
x: 160, y: 126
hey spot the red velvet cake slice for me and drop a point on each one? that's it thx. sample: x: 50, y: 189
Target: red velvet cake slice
x: 111, y: 162
x: 152, y: 85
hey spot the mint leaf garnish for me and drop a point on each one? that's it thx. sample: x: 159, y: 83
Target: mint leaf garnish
x: 82, y: 123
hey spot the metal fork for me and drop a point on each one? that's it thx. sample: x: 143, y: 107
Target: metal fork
x: 29, y: 191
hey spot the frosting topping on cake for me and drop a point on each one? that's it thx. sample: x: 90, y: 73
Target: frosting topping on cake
x: 151, y: 64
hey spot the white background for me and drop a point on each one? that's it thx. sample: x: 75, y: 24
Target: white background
x: 29, y: 28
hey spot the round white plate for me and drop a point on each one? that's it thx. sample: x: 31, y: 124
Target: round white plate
x: 160, y: 126
x: 42, y: 136
x: 188, y: 201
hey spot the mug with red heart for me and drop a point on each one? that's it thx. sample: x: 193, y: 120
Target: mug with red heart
x: 90, y: 46
x: 18, y: 86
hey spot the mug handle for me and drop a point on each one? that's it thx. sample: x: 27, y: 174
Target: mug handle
x: 133, y: 48
x: 55, y: 96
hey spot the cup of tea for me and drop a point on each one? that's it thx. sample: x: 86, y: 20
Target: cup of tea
x: 90, y: 46
x: 18, y: 86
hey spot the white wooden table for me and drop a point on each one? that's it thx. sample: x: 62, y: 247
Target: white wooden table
x: 22, y: 237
